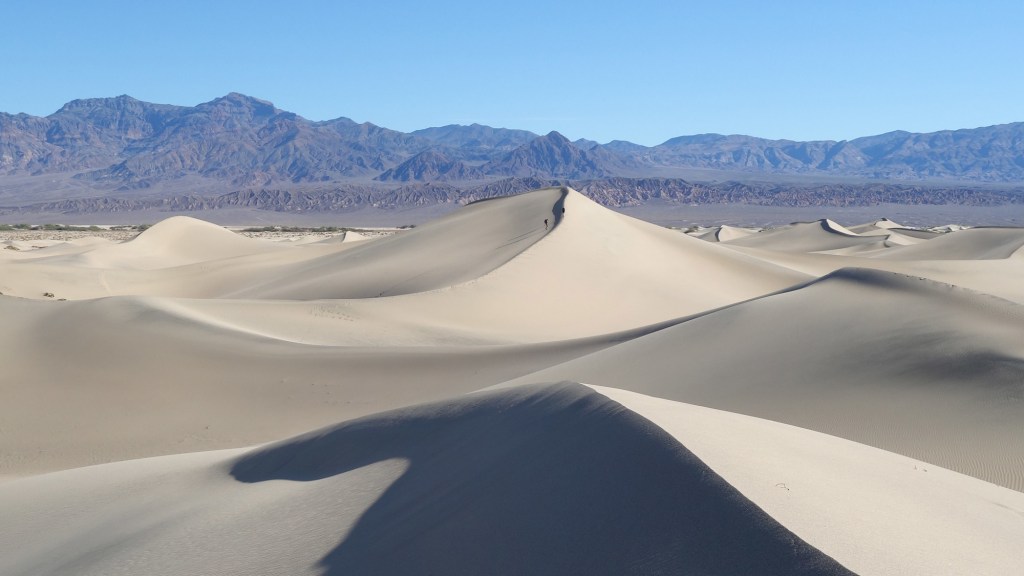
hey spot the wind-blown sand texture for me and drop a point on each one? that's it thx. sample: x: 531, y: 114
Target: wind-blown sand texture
x: 487, y: 394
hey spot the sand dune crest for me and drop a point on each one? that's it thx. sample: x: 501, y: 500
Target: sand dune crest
x: 548, y: 479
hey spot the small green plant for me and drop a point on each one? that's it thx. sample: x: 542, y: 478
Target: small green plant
x: 56, y: 228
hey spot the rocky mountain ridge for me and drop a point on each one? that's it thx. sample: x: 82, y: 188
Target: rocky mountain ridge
x: 612, y: 192
x: 133, y: 150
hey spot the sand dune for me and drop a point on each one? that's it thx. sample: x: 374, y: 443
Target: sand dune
x: 804, y: 237
x: 923, y: 369
x: 467, y: 273
x: 565, y: 478
x: 886, y: 227
x: 97, y: 381
x: 891, y: 239
x: 873, y: 511
x: 633, y: 272
x: 828, y: 237
x: 814, y: 398
x: 880, y: 226
x: 424, y: 490
x: 972, y: 244
x: 573, y: 256
x: 157, y: 355
x: 447, y: 251
x: 987, y: 261
x: 83, y: 275
x: 33, y: 249
x: 726, y: 233
x: 349, y: 236
x: 176, y: 241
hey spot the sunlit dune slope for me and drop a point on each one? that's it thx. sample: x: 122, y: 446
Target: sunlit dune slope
x: 909, y: 365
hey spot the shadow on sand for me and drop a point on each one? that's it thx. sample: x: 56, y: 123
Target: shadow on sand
x: 541, y: 479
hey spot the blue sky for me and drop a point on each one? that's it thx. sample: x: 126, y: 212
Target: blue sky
x: 638, y: 70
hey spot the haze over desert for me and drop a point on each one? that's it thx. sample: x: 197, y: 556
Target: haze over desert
x: 531, y: 384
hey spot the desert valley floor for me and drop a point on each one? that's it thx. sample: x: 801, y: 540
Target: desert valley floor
x: 531, y: 385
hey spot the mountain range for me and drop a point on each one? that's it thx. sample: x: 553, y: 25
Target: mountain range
x: 133, y: 150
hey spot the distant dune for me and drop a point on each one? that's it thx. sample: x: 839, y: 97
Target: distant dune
x: 532, y: 384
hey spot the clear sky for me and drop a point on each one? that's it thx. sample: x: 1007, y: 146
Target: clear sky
x: 632, y: 70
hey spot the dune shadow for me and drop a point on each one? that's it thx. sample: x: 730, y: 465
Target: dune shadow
x: 558, y: 209
x: 540, y: 479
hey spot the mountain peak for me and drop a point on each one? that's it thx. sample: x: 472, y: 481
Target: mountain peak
x: 92, y: 103
x: 241, y: 100
x: 238, y: 105
x: 551, y: 155
x: 239, y: 97
x: 555, y: 136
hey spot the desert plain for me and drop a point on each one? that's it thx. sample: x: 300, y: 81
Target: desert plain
x: 533, y: 384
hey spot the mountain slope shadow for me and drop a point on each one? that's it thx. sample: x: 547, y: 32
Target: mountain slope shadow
x: 539, y: 479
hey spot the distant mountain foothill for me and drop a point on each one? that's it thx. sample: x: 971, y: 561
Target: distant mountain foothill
x: 131, y: 152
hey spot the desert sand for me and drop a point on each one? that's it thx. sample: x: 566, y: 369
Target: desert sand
x: 532, y: 384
